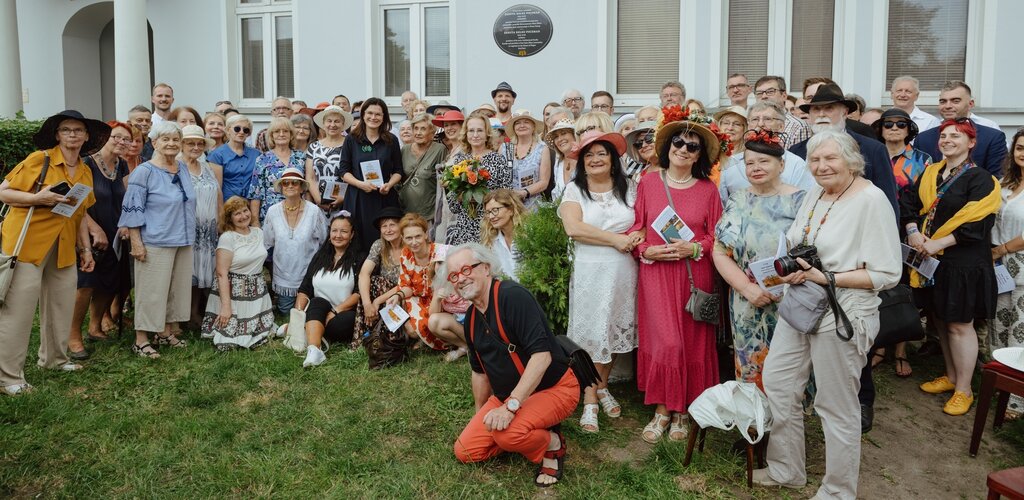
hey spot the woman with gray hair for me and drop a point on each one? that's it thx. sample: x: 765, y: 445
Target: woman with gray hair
x: 844, y: 207
x: 237, y: 157
x: 270, y: 165
x: 305, y: 131
x: 159, y: 210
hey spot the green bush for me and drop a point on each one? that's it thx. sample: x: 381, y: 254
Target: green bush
x: 545, y: 265
x: 16, y: 141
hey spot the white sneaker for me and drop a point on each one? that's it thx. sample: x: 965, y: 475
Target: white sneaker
x: 13, y: 390
x: 281, y: 330
x: 314, y: 357
x: 454, y: 355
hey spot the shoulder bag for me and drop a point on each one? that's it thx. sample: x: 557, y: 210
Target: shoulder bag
x: 579, y: 360
x: 9, y: 262
x: 804, y: 305
x: 701, y: 305
x: 898, y: 318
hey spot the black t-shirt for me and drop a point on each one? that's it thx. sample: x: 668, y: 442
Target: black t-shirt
x: 525, y: 325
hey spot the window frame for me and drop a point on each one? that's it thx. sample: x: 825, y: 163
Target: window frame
x: 417, y: 56
x: 268, y: 11
x: 975, y: 66
x: 609, y: 38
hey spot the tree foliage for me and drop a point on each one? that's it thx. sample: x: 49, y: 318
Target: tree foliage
x: 545, y: 264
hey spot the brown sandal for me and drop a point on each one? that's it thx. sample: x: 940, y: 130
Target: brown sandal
x: 900, y: 361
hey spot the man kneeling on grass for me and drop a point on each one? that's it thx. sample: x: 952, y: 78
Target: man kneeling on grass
x: 522, y: 383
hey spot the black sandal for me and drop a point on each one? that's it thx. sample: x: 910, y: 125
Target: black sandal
x: 145, y: 350
x: 170, y: 340
x: 557, y: 455
x: 877, y: 358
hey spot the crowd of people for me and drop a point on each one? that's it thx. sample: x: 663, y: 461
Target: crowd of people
x: 338, y: 211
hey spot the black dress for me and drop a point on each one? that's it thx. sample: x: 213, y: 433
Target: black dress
x: 364, y: 206
x: 964, y: 286
x: 110, y: 274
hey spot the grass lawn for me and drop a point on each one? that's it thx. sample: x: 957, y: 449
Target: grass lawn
x: 200, y: 424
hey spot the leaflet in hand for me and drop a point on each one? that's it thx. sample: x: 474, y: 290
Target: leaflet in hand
x: 372, y: 172
x: 670, y: 227
x: 75, y: 197
x: 334, y: 190
x: 526, y: 177
x: 922, y: 262
x: 1004, y: 281
x: 763, y: 270
x: 394, y: 317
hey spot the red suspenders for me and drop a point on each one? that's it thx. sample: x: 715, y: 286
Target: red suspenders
x: 501, y: 331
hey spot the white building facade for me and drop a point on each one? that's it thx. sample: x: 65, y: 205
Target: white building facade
x: 102, y: 57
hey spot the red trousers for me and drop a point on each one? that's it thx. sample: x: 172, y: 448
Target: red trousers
x: 528, y: 433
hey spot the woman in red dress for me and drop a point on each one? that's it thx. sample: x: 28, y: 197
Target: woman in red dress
x: 676, y: 358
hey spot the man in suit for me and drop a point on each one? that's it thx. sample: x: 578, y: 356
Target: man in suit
x: 955, y: 102
x: 828, y: 109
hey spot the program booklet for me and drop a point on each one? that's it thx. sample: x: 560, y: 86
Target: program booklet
x: 75, y: 197
x: 1004, y: 282
x: 526, y: 177
x: 394, y: 317
x: 334, y: 190
x: 372, y: 172
x: 763, y: 270
x: 670, y: 227
x: 923, y: 263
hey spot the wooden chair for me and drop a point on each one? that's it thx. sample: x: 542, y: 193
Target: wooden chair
x: 753, y: 450
x: 1008, y: 483
x: 995, y: 377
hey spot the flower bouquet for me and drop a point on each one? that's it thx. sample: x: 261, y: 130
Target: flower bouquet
x: 467, y: 181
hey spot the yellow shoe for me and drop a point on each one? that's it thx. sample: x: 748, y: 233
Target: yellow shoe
x: 958, y: 404
x: 938, y: 386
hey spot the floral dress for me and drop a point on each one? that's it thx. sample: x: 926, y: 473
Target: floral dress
x: 463, y: 228
x: 384, y: 278
x: 1008, y: 326
x: 527, y: 168
x: 419, y: 278
x: 205, y: 248
x: 268, y: 170
x: 748, y: 231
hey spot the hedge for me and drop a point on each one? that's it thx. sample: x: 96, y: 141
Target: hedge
x: 545, y: 264
x: 16, y: 141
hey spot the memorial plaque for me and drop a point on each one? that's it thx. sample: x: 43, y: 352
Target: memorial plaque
x: 522, y: 30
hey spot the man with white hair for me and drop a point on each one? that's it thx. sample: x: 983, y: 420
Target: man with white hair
x: 408, y: 97
x: 828, y: 110
x: 904, y: 92
x: 520, y: 375
x: 573, y: 100
x: 280, y: 107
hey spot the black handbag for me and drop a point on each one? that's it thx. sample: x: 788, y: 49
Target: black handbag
x: 580, y: 362
x: 898, y: 318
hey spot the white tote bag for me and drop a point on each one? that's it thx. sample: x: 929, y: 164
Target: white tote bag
x: 731, y: 405
x: 295, y: 335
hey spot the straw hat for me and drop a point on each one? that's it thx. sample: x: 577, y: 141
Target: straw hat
x: 563, y: 124
x: 345, y: 115
x: 291, y: 174
x: 712, y: 145
x: 523, y: 114
x: 196, y: 132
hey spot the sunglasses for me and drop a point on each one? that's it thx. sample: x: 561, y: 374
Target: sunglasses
x: 465, y: 271
x: 895, y: 124
x: 680, y: 143
x: 647, y: 139
x: 245, y: 130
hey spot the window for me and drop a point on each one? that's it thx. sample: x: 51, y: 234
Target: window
x: 927, y: 40
x: 813, y: 24
x: 641, y: 65
x: 748, y: 38
x: 756, y: 44
x: 417, y: 49
x: 266, y: 59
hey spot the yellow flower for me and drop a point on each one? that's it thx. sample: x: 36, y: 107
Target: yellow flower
x: 459, y: 169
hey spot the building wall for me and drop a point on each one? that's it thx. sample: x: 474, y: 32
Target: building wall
x: 336, y: 51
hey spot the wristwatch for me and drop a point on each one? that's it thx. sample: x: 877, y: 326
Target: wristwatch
x: 512, y: 404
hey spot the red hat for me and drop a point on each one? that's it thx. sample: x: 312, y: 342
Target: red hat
x: 451, y: 115
x: 322, y: 105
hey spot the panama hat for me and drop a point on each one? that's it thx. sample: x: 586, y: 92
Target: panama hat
x: 291, y: 174
x: 196, y: 132
x: 345, y: 115
x: 731, y: 110
x: 563, y: 124
x: 523, y: 114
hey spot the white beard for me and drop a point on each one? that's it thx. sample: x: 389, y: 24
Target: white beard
x: 821, y: 127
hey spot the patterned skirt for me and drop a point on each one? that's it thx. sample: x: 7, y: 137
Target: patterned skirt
x: 252, y: 315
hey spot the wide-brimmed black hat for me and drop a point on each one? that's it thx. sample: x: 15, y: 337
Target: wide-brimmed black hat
x: 829, y: 93
x: 388, y: 213
x: 912, y: 130
x: 503, y: 86
x: 99, y: 132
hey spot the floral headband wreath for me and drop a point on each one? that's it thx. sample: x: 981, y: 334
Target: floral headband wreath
x: 676, y: 113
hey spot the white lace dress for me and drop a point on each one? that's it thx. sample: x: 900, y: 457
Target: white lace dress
x: 602, y: 291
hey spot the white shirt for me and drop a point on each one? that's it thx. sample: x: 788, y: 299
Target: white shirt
x: 335, y: 286
x: 734, y: 177
x: 506, y: 255
x: 157, y: 119
x: 924, y: 121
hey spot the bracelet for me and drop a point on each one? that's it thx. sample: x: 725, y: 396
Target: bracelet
x: 911, y: 230
x: 696, y: 251
x: 400, y: 292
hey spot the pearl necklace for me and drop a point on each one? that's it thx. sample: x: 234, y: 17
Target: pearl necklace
x: 678, y: 181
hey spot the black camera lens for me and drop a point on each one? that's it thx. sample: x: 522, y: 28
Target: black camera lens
x: 786, y: 265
